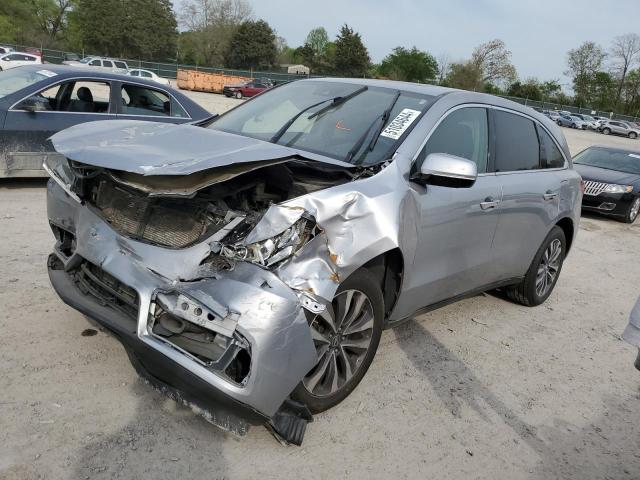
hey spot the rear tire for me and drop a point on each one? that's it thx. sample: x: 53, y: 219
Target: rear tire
x: 340, y: 347
x: 633, y: 211
x: 544, y: 269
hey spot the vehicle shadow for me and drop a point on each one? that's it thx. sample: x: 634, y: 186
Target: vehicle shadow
x: 609, y: 447
x: 454, y: 383
x: 163, y: 440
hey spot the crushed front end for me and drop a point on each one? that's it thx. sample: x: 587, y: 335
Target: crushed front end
x: 182, y: 271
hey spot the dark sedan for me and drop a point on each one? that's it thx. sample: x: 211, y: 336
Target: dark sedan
x: 612, y: 181
x: 38, y: 101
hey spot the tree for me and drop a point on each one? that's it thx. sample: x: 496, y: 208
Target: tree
x: 351, y: 56
x: 317, y: 39
x: 409, y: 65
x: 603, y: 90
x: 209, y: 26
x: 464, y: 75
x: 493, y: 60
x: 550, y: 88
x: 252, y: 46
x: 530, y: 89
x: 133, y: 29
x: 583, y: 63
x: 625, y: 52
x: 444, y: 63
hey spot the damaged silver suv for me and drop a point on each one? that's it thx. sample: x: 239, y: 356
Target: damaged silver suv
x: 249, y: 264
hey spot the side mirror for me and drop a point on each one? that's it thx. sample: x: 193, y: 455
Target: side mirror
x: 30, y: 105
x: 447, y: 171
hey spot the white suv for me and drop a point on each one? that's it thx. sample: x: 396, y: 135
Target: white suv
x: 107, y: 64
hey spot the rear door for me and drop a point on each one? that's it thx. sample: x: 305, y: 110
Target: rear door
x: 526, y: 162
x: 63, y: 105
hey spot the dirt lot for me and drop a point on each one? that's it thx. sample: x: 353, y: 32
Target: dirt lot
x: 480, y: 389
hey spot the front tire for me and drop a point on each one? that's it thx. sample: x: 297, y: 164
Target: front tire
x: 543, y: 273
x: 606, y: 131
x: 633, y: 211
x: 633, y: 135
x: 239, y: 95
x: 346, y: 336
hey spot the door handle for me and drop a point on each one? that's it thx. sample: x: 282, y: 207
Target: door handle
x: 489, y: 203
x: 550, y: 195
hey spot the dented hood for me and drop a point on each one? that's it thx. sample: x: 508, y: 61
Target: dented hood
x: 151, y: 148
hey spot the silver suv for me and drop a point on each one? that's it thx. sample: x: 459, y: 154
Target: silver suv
x: 250, y: 264
x: 618, y: 127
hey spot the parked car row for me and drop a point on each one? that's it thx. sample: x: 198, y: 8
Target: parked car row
x: 599, y: 124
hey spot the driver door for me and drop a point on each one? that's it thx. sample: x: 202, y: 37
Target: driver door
x: 456, y: 226
x: 26, y: 133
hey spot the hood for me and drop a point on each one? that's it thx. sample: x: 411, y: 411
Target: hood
x: 151, y: 148
x: 604, y: 175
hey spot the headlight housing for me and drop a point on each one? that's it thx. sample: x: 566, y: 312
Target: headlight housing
x: 272, y: 250
x: 58, y: 168
x: 613, y: 188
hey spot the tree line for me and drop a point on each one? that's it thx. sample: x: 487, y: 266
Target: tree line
x: 226, y: 33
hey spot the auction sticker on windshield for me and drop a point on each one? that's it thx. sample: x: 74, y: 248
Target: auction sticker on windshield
x: 399, y: 125
x: 47, y: 73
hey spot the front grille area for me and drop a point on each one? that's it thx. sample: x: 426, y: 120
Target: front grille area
x: 172, y: 223
x: 594, y: 188
x: 109, y: 291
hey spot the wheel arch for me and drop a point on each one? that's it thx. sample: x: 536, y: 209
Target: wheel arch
x: 567, y: 226
x: 388, y: 269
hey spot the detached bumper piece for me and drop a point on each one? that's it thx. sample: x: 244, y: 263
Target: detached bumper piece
x: 115, y: 307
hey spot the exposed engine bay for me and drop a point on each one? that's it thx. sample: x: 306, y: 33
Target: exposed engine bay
x: 224, y: 209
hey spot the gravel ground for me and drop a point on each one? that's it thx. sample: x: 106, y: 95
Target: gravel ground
x: 480, y: 389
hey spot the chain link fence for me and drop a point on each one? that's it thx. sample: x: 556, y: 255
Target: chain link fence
x: 166, y: 70
x: 570, y: 108
x: 170, y: 70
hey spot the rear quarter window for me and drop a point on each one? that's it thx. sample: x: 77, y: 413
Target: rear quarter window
x: 550, y: 155
x: 516, y: 140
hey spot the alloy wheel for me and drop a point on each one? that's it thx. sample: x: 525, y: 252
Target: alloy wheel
x: 549, y: 267
x: 342, y: 335
x: 635, y: 209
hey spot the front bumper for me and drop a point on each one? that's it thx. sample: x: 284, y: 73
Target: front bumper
x: 615, y: 204
x: 268, y: 315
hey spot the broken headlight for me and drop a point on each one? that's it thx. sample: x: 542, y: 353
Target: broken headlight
x: 57, y: 166
x: 272, y: 250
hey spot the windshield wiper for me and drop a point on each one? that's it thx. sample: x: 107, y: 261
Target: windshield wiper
x: 338, y: 101
x: 384, y: 117
x: 334, y: 102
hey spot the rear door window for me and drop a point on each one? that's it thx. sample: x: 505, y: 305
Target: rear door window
x: 138, y: 100
x: 463, y: 133
x: 516, y: 143
x: 550, y: 156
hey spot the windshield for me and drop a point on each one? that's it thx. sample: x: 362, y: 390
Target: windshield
x: 620, y: 161
x: 18, y: 78
x: 588, y: 117
x: 334, y: 132
x: 86, y: 60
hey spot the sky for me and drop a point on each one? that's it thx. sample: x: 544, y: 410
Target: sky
x: 538, y: 32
